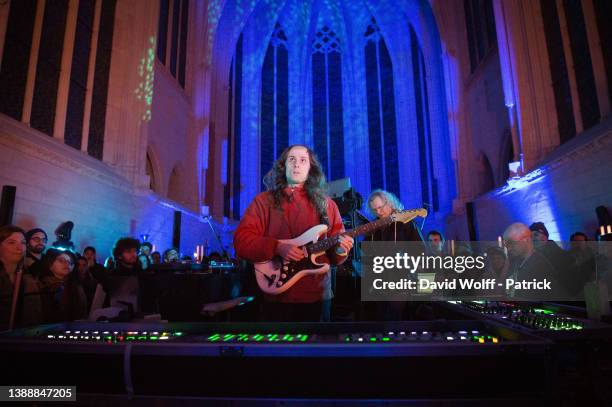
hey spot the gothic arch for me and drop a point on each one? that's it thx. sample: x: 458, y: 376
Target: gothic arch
x: 153, y: 170
x: 175, y: 184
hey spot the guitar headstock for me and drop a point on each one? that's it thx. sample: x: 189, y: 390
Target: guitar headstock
x: 408, y: 215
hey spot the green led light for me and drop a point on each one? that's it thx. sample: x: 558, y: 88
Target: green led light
x: 178, y: 334
x: 144, y: 91
x: 372, y: 339
x: 543, y: 311
x: 153, y: 338
x: 385, y: 339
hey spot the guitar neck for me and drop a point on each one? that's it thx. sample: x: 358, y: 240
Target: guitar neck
x: 326, y: 244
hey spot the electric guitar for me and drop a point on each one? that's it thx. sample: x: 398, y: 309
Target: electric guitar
x: 276, y: 276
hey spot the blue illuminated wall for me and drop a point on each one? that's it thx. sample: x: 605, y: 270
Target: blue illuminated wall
x: 344, y: 77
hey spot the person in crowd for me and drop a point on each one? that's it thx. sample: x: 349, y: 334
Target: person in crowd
x: 156, y: 258
x: 96, y: 269
x: 122, y: 284
x: 61, y: 292
x: 19, y: 292
x: 144, y: 256
x: 559, y: 258
x: 497, y: 266
x: 579, y: 248
x: 36, y: 240
x: 527, y: 263
x: 86, y: 279
x: 585, y: 259
x: 436, y: 243
x: 215, y: 256
x: 171, y: 255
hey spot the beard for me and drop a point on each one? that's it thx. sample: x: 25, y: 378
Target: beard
x: 38, y: 249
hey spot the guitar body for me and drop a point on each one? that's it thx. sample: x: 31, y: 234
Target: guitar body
x: 275, y: 276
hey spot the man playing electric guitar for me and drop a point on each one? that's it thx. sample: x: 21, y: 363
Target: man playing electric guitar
x: 293, y: 203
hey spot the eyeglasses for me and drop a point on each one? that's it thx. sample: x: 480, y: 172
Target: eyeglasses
x: 39, y: 239
x: 380, y: 207
x: 65, y: 261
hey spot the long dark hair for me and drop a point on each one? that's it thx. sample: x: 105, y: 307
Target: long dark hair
x: 276, y: 182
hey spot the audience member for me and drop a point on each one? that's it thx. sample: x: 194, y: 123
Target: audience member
x: 122, y: 285
x: 585, y: 261
x: 171, y: 255
x: 214, y: 256
x: 436, y: 242
x: 145, y: 255
x: 156, y: 258
x: 19, y: 299
x: 497, y: 267
x: 527, y: 263
x: 558, y: 257
x: 95, y: 269
x: 36, y: 240
x: 61, y: 293
x: 88, y: 282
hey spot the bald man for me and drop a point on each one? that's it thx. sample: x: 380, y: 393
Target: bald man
x: 527, y: 263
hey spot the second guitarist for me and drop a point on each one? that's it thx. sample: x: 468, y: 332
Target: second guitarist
x: 294, y: 202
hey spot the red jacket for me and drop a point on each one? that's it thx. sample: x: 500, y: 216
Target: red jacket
x: 262, y: 226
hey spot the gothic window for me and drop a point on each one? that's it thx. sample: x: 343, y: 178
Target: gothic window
x: 558, y: 71
x: 480, y: 26
x: 328, y: 126
x: 48, y: 67
x: 583, y: 67
x: 429, y: 185
x: 231, y: 188
x: 384, y: 170
x: 274, y: 100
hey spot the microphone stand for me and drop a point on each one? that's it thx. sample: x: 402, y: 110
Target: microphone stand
x: 217, y: 237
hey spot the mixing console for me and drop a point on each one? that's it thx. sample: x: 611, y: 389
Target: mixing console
x: 329, y: 360
x: 548, y: 320
x: 527, y: 315
x: 114, y: 336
